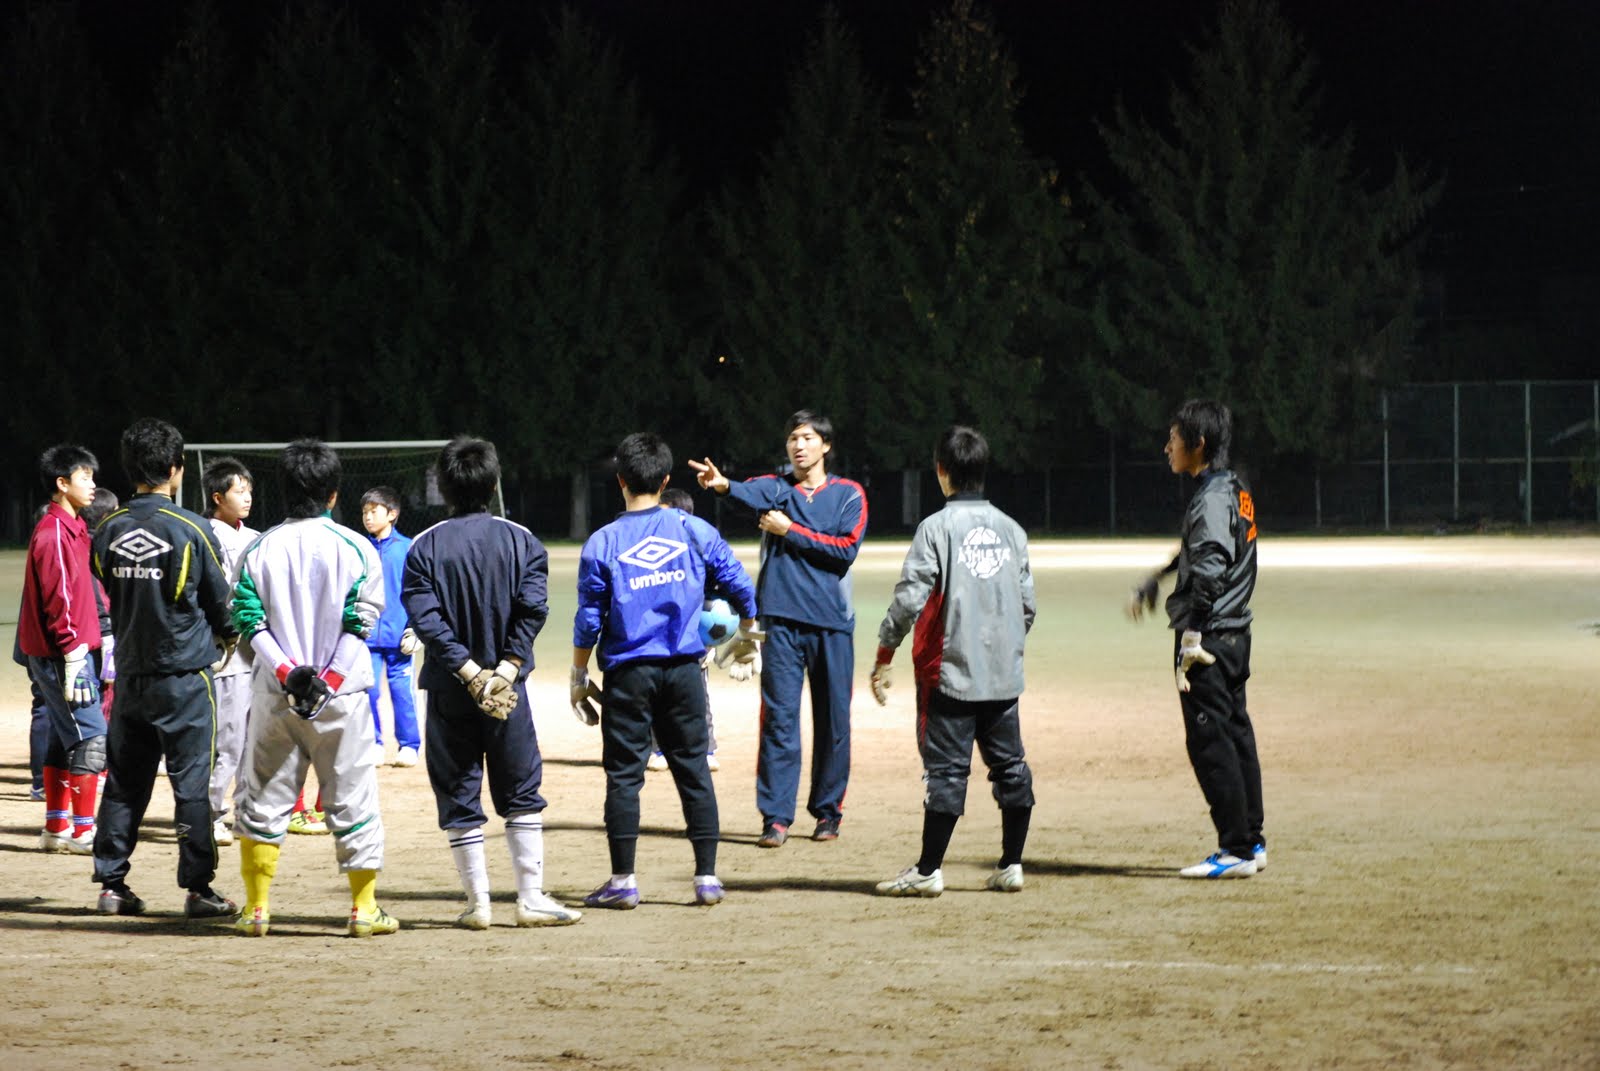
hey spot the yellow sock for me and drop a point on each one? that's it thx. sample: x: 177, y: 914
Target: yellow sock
x: 364, y: 890
x: 258, y: 865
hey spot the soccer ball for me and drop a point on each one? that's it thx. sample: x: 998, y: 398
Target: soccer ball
x: 718, y: 622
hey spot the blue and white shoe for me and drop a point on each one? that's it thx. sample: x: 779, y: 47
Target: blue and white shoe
x: 614, y: 895
x: 1220, y: 865
x: 1261, y: 857
x: 708, y: 890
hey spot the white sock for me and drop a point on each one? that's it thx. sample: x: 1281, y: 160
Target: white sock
x: 525, y: 838
x: 624, y: 881
x: 466, y: 846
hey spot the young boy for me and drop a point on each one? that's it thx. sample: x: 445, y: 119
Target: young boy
x: 641, y: 583
x: 812, y: 525
x: 229, y: 488
x: 967, y: 591
x: 1209, y: 612
x: 476, y: 590
x: 393, y: 642
x: 309, y: 593
x: 168, y: 588
x: 677, y: 498
x: 58, y: 632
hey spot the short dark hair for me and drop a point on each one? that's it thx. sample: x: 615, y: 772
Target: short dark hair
x: 382, y: 495
x: 469, y: 469
x: 964, y: 453
x: 61, y: 461
x: 678, y: 498
x: 819, y: 423
x: 1202, y: 418
x: 219, y: 476
x: 644, y: 461
x: 151, y: 449
x: 104, y: 505
x: 310, y: 472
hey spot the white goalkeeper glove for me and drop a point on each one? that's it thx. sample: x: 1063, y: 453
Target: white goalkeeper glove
x: 75, y: 683
x: 582, y: 695
x: 499, y: 697
x: 409, y: 642
x: 108, y: 660
x: 741, y: 656
x: 1143, y: 598
x: 882, y: 681
x: 1190, y: 652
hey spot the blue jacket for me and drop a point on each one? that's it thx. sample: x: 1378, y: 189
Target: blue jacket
x: 476, y: 586
x: 805, y: 576
x: 393, y: 621
x: 642, y: 580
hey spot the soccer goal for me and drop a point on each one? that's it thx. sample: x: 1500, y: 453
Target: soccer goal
x: 406, y: 465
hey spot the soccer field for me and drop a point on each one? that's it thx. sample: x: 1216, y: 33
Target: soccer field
x: 1428, y: 712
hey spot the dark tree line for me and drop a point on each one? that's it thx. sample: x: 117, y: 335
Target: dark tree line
x: 318, y: 233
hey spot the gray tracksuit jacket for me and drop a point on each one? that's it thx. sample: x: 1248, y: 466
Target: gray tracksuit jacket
x: 1216, y: 559
x: 966, y: 589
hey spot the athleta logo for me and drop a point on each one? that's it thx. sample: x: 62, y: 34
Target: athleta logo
x: 138, y: 546
x: 652, y: 553
x: 983, y: 554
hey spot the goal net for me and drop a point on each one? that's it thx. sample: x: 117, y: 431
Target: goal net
x: 405, y: 465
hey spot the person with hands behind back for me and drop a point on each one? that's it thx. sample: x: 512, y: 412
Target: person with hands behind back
x: 1209, y: 612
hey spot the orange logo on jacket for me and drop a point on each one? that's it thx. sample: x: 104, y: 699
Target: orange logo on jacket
x: 1247, y: 510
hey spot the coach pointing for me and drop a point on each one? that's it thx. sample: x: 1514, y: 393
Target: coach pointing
x: 811, y: 525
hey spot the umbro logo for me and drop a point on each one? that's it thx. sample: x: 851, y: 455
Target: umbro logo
x: 138, y: 546
x: 652, y: 552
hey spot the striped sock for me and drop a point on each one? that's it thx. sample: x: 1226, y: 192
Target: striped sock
x: 525, y: 838
x: 466, y: 847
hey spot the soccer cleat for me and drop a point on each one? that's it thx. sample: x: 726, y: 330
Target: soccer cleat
x: 827, y: 829
x: 1261, y: 857
x: 613, y: 896
x: 657, y: 761
x: 36, y: 793
x: 708, y: 890
x: 477, y: 916
x: 711, y: 762
x: 55, y: 842
x: 252, y: 922
x: 1220, y: 865
x: 222, y: 833
x: 379, y: 922
x: 911, y: 882
x: 207, y: 903
x: 406, y: 756
x: 307, y: 821
x: 1005, y: 879
x: 81, y: 842
x: 541, y: 910
x: 773, y: 835
x: 118, y: 900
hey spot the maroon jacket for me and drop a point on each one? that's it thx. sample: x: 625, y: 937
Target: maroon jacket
x: 58, y: 605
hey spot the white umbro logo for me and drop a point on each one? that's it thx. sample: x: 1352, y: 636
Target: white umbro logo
x: 652, y: 552
x: 139, y: 545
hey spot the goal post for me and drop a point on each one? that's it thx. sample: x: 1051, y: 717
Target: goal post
x: 407, y: 465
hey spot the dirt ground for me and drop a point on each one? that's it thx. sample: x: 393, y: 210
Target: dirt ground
x: 1428, y: 712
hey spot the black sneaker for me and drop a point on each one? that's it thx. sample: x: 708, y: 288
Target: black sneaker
x: 118, y: 899
x: 827, y: 829
x: 207, y: 903
x: 773, y: 835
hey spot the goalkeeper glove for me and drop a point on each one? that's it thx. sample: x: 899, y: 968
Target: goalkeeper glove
x: 1190, y: 652
x: 744, y: 652
x: 882, y: 681
x: 229, y: 645
x: 1143, y: 597
x: 499, y: 696
x: 75, y: 683
x: 409, y: 642
x: 308, y: 693
x: 108, y: 659
x: 582, y: 694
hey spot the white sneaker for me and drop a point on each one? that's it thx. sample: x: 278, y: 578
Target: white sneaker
x: 81, y: 842
x: 540, y: 910
x: 1006, y: 879
x: 477, y: 916
x: 378, y: 758
x: 406, y: 756
x: 1220, y: 865
x: 55, y: 842
x: 1261, y: 857
x: 711, y: 761
x: 222, y: 833
x: 657, y: 761
x: 911, y: 883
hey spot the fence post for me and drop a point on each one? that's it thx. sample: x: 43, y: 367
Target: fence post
x: 1455, y: 451
x: 1527, y: 450
x: 1383, y: 401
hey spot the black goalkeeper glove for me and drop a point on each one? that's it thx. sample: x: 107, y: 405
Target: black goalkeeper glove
x: 308, y: 693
